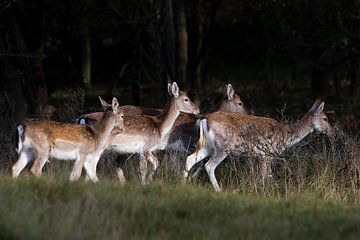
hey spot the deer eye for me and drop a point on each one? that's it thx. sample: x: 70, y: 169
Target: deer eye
x: 186, y: 99
x: 325, y: 119
x: 240, y: 103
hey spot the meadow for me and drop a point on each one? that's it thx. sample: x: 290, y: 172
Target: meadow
x: 54, y: 208
x: 57, y: 57
x: 314, y: 194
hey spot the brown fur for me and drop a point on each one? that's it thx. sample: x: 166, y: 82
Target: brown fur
x: 224, y: 133
x: 144, y: 134
x: 66, y: 140
x: 185, y: 125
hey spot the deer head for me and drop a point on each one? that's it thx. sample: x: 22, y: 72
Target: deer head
x: 181, y: 100
x: 319, y: 120
x: 118, y: 120
x: 232, y: 101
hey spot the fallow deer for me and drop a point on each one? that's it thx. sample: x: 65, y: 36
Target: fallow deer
x: 42, y: 139
x: 184, y: 132
x: 145, y: 134
x: 128, y: 110
x: 231, y: 133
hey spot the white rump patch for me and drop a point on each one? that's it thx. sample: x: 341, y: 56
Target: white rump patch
x: 64, y: 155
x: 177, y: 145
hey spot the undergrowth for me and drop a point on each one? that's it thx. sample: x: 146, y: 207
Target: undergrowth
x: 54, y: 208
x: 314, y: 193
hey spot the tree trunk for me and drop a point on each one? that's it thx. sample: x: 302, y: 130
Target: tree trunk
x: 22, y: 89
x: 200, y: 16
x: 195, y: 35
x: 355, y: 65
x: 40, y: 81
x: 354, y: 75
x: 268, y: 65
x: 182, y: 43
x: 169, y: 35
x: 86, y: 54
x: 67, y: 38
x: 317, y: 83
x: 13, y: 84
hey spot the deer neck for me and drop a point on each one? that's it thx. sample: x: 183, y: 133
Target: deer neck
x: 223, y: 106
x: 168, y: 118
x: 298, y: 131
x: 103, y: 128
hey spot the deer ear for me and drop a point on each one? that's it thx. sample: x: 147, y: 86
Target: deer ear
x: 320, y: 108
x: 230, y: 91
x: 104, y: 104
x: 317, y: 107
x: 169, y: 89
x: 115, y: 105
x: 175, y: 89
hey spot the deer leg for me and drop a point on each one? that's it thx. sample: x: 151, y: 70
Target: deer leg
x: 154, y: 162
x: 211, y: 165
x: 143, y: 167
x: 175, y: 158
x: 20, y: 163
x: 193, y: 159
x: 90, y: 164
x: 198, y: 170
x: 90, y: 169
x: 119, y: 168
x: 120, y: 174
x: 40, y: 160
x: 266, y: 172
x: 77, y: 168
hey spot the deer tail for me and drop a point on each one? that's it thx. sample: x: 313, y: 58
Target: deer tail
x: 203, y: 131
x: 19, y: 137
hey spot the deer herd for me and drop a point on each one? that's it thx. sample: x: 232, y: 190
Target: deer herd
x: 227, y: 129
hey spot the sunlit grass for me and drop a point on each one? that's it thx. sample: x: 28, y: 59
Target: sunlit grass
x: 54, y: 208
x: 314, y: 199
x: 314, y: 195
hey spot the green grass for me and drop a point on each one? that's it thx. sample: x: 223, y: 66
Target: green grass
x: 315, y: 194
x: 54, y: 208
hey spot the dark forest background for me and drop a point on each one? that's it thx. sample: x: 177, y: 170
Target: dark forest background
x: 274, y: 52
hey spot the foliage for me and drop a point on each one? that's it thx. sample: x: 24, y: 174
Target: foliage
x: 314, y: 194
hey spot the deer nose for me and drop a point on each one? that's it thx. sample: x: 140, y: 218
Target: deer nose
x: 330, y: 132
x: 248, y: 112
x: 197, y: 111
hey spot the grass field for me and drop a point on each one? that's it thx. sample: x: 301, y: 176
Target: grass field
x: 53, y: 208
x: 315, y: 194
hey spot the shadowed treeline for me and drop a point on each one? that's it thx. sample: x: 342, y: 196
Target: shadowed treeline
x: 130, y: 47
x: 56, y: 57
